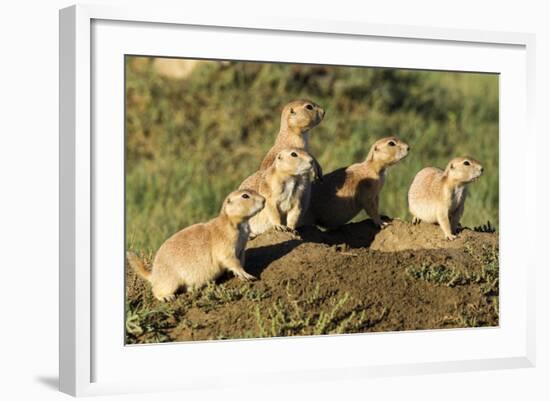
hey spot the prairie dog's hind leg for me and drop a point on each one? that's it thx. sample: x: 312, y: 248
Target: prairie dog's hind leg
x: 165, y: 291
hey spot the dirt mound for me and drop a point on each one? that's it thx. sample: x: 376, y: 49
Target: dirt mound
x: 353, y: 279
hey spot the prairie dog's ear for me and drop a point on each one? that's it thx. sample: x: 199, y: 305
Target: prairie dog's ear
x: 228, y: 201
x: 292, y: 111
x: 452, y: 166
x: 376, y: 148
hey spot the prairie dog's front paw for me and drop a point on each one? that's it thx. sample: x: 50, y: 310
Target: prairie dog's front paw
x: 379, y: 223
x: 247, y: 277
x: 294, y: 233
x: 283, y: 229
x: 450, y: 237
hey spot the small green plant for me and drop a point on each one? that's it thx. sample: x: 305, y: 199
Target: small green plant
x: 293, y: 316
x: 472, y: 315
x: 485, y: 274
x: 432, y: 273
x: 215, y: 295
x: 145, y: 324
x: 487, y: 260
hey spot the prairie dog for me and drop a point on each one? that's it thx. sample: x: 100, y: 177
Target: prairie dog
x: 297, y: 119
x: 199, y: 253
x: 348, y: 190
x: 438, y: 196
x: 284, y: 185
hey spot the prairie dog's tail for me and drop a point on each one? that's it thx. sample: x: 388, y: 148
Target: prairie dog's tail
x: 137, y: 264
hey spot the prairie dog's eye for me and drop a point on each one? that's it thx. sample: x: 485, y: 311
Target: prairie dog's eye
x: 309, y: 106
x: 466, y: 163
x: 245, y: 196
x: 391, y: 143
x: 294, y: 154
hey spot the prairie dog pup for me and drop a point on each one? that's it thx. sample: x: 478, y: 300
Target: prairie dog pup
x: 199, y: 253
x: 297, y: 118
x: 284, y: 185
x: 348, y: 190
x: 438, y: 196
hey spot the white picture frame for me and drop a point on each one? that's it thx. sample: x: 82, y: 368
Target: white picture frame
x: 90, y: 359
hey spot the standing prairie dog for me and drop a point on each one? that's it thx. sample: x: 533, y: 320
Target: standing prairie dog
x: 284, y: 185
x: 297, y: 119
x: 438, y: 196
x: 348, y: 190
x: 199, y: 253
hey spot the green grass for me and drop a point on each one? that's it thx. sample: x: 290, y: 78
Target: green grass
x: 190, y: 142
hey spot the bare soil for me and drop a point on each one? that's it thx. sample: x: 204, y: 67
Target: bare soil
x: 353, y: 279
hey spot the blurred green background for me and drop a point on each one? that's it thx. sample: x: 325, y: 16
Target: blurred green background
x: 196, y: 129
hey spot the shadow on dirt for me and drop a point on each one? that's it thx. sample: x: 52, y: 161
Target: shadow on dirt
x: 355, y: 235
x: 257, y: 259
x: 261, y: 254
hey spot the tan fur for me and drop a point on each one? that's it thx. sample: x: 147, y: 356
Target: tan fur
x: 346, y: 191
x: 285, y: 185
x: 297, y: 119
x: 253, y: 181
x: 438, y: 196
x: 198, y: 254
